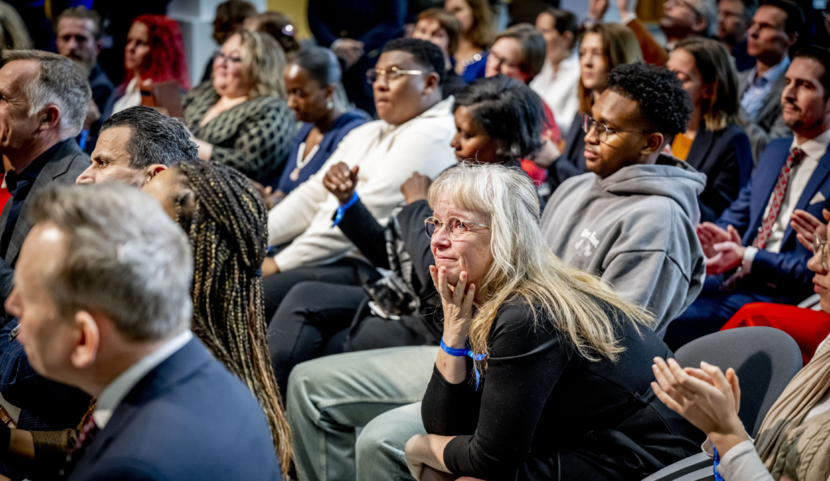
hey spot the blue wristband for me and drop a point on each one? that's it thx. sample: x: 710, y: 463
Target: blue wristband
x: 342, y: 209
x: 465, y: 352
x: 716, y: 460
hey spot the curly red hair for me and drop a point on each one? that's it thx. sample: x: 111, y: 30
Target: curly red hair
x: 166, y: 57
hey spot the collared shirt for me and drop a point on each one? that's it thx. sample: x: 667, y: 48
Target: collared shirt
x: 560, y: 90
x: 814, y: 150
x: 19, y: 185
x: 112, y: 395
x: 760, y: 87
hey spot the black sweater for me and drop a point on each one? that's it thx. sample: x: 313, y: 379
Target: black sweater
x: 540, y: 402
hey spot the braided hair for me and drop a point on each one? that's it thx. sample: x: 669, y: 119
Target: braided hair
x: 225, y: 220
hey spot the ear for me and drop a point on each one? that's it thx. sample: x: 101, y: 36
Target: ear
x: 50, y: 117
x: 152, y: 170
x: 792, y: 38
x: 99, y: 45
x: 330, y: 91
x: 432, y: 82
x: 89, y: 338
x: 700, y: 26
x: 708, y: 91
x: 654, y: 143
x: 569, y: 38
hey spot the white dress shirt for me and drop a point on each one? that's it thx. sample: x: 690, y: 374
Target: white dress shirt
x: 560, y: 90
x: 131, y: 98
x: 112, y: 395
x: 387, y: 155
x: 814, y: 150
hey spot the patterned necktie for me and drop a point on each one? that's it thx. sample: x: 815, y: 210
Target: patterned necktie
x: 778, y: 196
x: 85, y: 438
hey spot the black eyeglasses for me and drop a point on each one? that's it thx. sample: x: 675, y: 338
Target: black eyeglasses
x: 603, y: 131
x: 221, y: 56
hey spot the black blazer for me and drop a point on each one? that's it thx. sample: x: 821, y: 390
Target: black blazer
x: 189, y: 418
x: 725, y: 157
x: 572, y: 161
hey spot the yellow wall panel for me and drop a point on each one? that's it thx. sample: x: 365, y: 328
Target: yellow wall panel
x: 297, y: 11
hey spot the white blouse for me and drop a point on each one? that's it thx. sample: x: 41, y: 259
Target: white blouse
x: 560, y: 90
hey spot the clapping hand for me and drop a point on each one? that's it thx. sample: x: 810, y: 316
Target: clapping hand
x: 806, y: 226
x: 710, y: 234
x: 706, y: 397
x: 415, y: 188
x: 341, y: 181
x: 597, y: 9
x: 349, y: 49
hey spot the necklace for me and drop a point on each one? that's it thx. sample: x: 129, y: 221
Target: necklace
x: 302, y: 161
x: 469, y: 61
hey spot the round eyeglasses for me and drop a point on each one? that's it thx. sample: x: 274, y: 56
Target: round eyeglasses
x: 393, y: 73
x: 455, y: 226
x: 603, y: 131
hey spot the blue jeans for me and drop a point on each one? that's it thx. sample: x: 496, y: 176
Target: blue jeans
x: 331, y: 397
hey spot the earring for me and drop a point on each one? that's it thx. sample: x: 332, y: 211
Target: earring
x: 329, y: 104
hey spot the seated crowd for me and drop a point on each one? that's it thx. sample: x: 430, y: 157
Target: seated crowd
x: 434, y: 244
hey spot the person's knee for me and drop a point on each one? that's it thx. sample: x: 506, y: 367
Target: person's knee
x: 384, y: 438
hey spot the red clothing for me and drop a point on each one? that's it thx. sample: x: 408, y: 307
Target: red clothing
x: 552, y: 133
x: 4, y: 191
x: 806, y: 326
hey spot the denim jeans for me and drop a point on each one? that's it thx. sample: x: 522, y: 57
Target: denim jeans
x: 329, y: 398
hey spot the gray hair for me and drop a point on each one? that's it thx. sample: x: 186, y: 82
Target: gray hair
x: 154, y: 137
x: 708, y: 9
x: 124, y: 257
x: 60, y: 82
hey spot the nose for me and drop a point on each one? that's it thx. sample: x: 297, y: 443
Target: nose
x: 455, y: 143
x: 381, y: 83
x: 11, y: 304
x: 440, y: 239
x: 753, y: 30
x: 814, y: 264
x: 591, y: 135
x: 85, y: 177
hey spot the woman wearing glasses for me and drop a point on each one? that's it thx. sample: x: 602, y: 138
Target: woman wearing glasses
x: 538, y: 372
x: 317, y: 318
x: 240, y: 118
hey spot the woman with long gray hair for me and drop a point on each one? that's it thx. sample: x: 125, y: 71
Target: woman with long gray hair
x: 542, y: 371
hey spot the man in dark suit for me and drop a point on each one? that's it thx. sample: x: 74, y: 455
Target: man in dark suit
x: 37, y: 136
x: 78, y: 36
x: 752, y: 251
x: 774, y: 30
x: 108, y: 311
x: 357, y: 32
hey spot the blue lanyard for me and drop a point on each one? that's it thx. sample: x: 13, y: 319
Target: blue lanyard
x: 342, y: 209
x: 718, y: 477
x: 465, y: 352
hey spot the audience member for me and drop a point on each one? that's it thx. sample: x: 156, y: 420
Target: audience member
x: 734, y: 19
x: 438, y: 26
x: 13, y: 32
x: 497, y: 120
x: 46, y: 98
x: 714, y: 142
x: 681, y: 19
x: 135, y: 145
x: 477, y: 32
x: 631, y: 220
x: 78, y: 36
x: 790, y: 443
x: 357, y: 32
x: 752, y: 251
x: 131, y: 348
x: 279, y: 26
x: 230, y: 17
x: 558, y: 81
x: 240, y: 118
x: 154, y: 53
x: 311, y: 81
x: 603, y: 47
x: 413, y: 135
x: 523, y: 413
x: 775, y: 29
x: 225, y: 221
x: 519, y: 53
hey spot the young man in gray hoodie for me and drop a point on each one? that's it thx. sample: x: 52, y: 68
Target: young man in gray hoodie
x: 631, y: 220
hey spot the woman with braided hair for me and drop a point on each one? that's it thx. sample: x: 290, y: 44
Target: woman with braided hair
x: 225, y: 220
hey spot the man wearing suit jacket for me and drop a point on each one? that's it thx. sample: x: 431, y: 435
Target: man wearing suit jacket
x: 774, y: 30
x: 37, y: 136
x: 108, y: 311
x: 752, y: 251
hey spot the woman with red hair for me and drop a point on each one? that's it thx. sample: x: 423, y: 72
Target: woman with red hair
x: 154, y: 53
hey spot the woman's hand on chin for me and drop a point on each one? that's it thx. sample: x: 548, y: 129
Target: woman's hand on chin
x: 457, y: 302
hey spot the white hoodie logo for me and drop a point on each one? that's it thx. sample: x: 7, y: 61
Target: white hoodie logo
x: 587, y: 243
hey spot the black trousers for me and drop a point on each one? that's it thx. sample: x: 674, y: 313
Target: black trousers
x: 320, y: 319
x: 276, y: 287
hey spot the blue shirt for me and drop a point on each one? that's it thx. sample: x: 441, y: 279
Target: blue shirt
x: 760, y: 87
x: 331, y: 139
x: 475, y: 70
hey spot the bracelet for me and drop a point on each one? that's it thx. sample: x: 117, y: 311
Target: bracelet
x: 342, y: 209
x: 465, y: 352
